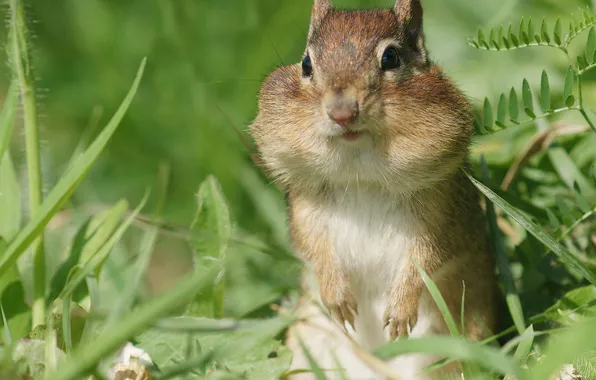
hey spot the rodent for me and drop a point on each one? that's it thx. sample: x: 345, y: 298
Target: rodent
x: 369, y: 138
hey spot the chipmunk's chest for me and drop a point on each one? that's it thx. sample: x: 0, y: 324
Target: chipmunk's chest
x: 370, y: 233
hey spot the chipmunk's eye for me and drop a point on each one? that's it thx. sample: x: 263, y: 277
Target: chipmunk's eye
x: 390, y: 59
x: 306, y: 66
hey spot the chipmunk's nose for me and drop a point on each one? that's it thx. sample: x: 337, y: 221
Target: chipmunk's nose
x: 343, y: 110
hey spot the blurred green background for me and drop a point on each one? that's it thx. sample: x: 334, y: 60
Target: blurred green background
x: 206, y: 60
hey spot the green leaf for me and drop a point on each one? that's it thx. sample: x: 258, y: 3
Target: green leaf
x: 512, y: 36
x: 132, y: 324
x: 61, y: 276
x: 564, y: 209
x: 565, y: 348
x: 582, y: 62
x: 68, y: 319
x: 32, y: 352
x: 10, y: 199
x: 513, y: 105
x: 568, y: 87
x: 454, y: 348
x: 493, y: 39
x: 522, y: 32
x: 563, y: 253
x: 552, y: 218
x: 212, y: 231
x: 478, y: 126
x: 93, y: 263
x: 525, y: 345
x: 557, y: 32
x: 591, y: 45
x: 501, y: 37
x: 488, y: 114
x: 544, y: 32
x: 245, y: 350
x: 527, y: 99
x: 66, y: 185
x: 100, y: 229
x: 570, y: 173
x: 531, y: 31
x: 545, y: 92
x: 7, y: 117
x: 18, y: 314
x: 501, y: 111
x: 439, y: 301
x: 576, y: 305
x: 580, y: 201
x: 481, y: 39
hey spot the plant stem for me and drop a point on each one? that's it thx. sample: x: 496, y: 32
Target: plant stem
x: 22, y: 66
x: 581, y: 103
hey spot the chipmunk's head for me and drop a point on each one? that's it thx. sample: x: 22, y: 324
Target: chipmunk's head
x: 364, y: 105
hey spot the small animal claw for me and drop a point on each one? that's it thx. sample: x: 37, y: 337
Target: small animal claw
x: 345, y: 311
x: 399, y: 323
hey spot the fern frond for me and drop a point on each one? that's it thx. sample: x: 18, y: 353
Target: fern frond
x: 587, y: 20
x: 486, y: 122
x: 527, y: 36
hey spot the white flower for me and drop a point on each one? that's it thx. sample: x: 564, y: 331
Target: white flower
x: 129, y: 364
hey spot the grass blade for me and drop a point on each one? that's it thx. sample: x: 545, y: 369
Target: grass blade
x: 129, y: 292
x: 7, y: 117
x: 525, y: 345
x: 451, y: 347
x: 439, y: 301
x: 317, y: 371
x: 66, y: 185
x: 563, y: 253
x: 22, y: 66
x: 10, y: 199
x: 66, y: 326
x: 95, y: 261
x: 7, y: 335
x: 498, y: 246
x: 87, y: 356
x: 565, y: 348
x: 196, y: 325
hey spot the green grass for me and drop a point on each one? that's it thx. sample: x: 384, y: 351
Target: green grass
x: 194, y: 273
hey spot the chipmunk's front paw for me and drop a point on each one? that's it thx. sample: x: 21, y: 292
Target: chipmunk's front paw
x: 400, y: 319
x: 345, y: 309
x: 341, y: 303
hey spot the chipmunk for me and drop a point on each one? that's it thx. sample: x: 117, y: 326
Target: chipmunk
x: 369, y: 139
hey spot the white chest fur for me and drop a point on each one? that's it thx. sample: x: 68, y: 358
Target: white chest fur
x: 369, y: 234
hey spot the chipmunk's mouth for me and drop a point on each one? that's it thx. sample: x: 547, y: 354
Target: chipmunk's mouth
x: 353, y: 135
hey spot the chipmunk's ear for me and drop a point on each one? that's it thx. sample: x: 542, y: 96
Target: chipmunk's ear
x: 319, y: 11
x: 409, y: 15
